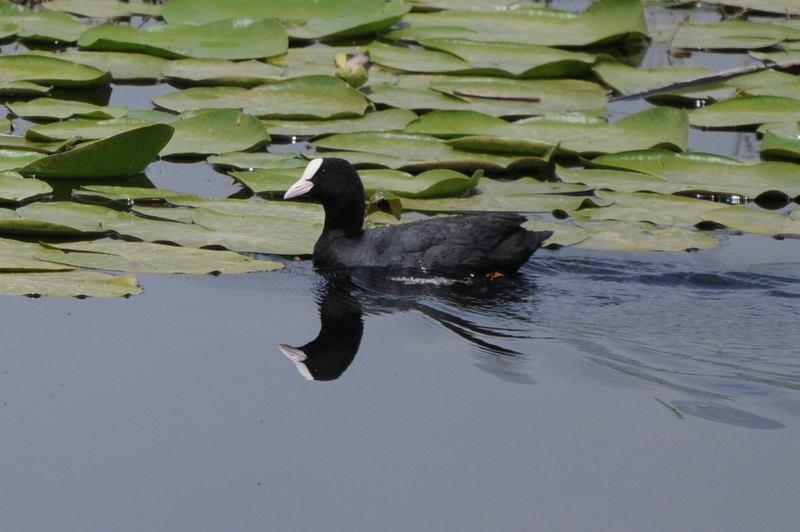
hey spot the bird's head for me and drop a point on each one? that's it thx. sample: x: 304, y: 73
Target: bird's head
x: 327, y: 180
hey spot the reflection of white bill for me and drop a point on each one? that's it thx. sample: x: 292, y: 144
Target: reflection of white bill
x: 298, y: 357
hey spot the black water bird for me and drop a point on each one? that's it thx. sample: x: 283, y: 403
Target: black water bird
x: 457, y: 246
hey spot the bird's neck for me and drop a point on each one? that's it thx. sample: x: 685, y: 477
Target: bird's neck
x: 346, y: 217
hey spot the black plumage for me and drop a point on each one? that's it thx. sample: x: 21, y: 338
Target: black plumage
x: 457, y: 246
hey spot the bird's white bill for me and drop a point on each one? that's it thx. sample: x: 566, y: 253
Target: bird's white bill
x: 297, y: 356
x: 304, y: 184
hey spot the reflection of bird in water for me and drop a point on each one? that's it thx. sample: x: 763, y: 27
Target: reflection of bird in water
x: 328, y: 355
x: 479, y: 311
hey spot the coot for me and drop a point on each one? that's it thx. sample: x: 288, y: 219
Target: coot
x: 456, y: 246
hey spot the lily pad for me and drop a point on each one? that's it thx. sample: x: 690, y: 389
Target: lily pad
x: 103, y: 8
x: 221, y: 72
x: 574, y: 134
x: 15, y: 188
x: 68, y: 284
x: 627, y: 79
x: 733, y: 34
x: 140, y: 257
x: 120, y: 155
x: 455, y: 56
x: 780, y: 141
x: 45, y: 26
x: 605, y: 21
x: 388, y: 120
x: 750, y: 220
x: 5, y: 125
x: 781, y: 7
x: 226, y: 39
x: 493, y: 203
x: 314, y: 60
x: 16, y: 142
x: 53, y: 109
x: 82, y: 129
x: 23, y: 88
x: 249, y: 160
x: 296, y: 98
x: 303, y: 19
x: 122, y: 66
x: 564, y: 234
x: 703, y: 172
x: 660, y: 209
x: 214, y: 132
x: 407, y: 151
x: 642, y: 237
x: 48, y: 71
x: 746, y: 111
x: 15, y: 159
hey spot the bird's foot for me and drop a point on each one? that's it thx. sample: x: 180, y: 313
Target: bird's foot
x: 494, y: 275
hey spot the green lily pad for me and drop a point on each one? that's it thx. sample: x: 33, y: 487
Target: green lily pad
x: 627, y: 80
x: 306, y: 97
x: 249, y: 160
x: 564, y: 234
x: 23, y: 88
x: 605, y: 21
x: 103, y: 8
x: 15, y: 159
x: 123, y: 66
x: 712, y: 174
x: 140, y: 257
x: 5, y: 125
x: 50, y: 108
x: 120, y: 155
x: 749, y: 220
x: 226, y: 39
x: 529, y: 185
x: 660, y: 209
x: 746, y: 111
x: 620, y: 236
x: 406, y: 151
x: 45, y: 26
x: 574, y: 134
x: 68, y: 284
x: 214, y: 132
x: 616, y: 180
x: 780, y: 141
x: 16, y: 189
x: 222, y: 72
x: 16, y: 142
x: 462, y: 5
x: 82, y: 129
x: 388, y: 120
x: 733, y: 34
x: 48, y: 71
x: 781, y: 7
x: 430, y: 184
x: 303, y: 19
x: 490, y: 59
x: 493, y: 203
x: 315, y: 60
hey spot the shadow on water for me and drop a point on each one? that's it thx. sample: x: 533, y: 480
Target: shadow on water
x: 483, y: 313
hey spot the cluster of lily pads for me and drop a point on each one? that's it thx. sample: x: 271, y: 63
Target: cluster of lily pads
x: 445, y: 106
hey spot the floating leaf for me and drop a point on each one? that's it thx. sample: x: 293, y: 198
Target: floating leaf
x: 576, y: 134
x: 746, y: 111
x: 22, y: 88
x: 563, y: 234
x: 491, y: 59
x: 617, y: 180
x: 658, y: 209
x: 215, y: 131
x: 389, y: 120
x: 430, y: 184
x: 621, y: 236
x: 121, y: 65
x: 306, y: 97
x: 303, y: 19
x: 248, y: 160
x: 48, y: 71
x: 494, y: 203
x: 780, y: 141
x: 15, y: 188
x: 5, y: 125
x: 226, y: 39
x: 406, y: 151
x: 139, y: 257
x: 16, y: 142
x: 703, y: 172
x: 221, y: 72
x: 120, y: 155
x: 315, y: 60
x: 103, y: 8
x: 60, y: 109
x: 781, y: 7
x: 14, y: 159
x: 82, y: 129
x: 733, y: 34
x: 749, y: 220
x: 68, y: 284
x: 45, y: 26
x: 606, y: 21
x: 627, y: 79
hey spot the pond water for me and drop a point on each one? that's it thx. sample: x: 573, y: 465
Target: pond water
x: 594, y: 391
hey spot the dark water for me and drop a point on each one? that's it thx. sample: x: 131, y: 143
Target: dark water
x: 595, y: 391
